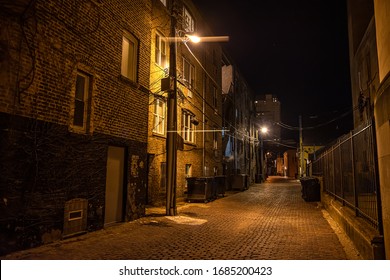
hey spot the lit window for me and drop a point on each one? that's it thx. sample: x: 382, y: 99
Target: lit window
x: 161, y: 51
x: 129, y: 57
x: 188, y: 74
x: 188, y: 127
x: 81, y: 112
x: 188, y: 170
x: 215, y: 139
x: 159, y: 116
x: 189, y: 24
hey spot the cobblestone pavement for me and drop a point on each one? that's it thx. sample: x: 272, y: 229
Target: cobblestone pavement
x: 269, y: 221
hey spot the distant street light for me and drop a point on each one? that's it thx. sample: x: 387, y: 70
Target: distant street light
x: 263, y: 131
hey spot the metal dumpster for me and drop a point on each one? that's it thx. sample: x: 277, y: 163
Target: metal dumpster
x: 239, y: 182
x: 200, y: 189
x: 220, y: 185
x: 311, y: 190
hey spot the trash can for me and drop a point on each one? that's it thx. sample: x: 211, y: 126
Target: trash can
x: 311, y: 190
x: 220, y: 185
x: 200, y: 189
x: 239, y: 182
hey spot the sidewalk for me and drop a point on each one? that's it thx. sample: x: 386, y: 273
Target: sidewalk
x: 269, y: 221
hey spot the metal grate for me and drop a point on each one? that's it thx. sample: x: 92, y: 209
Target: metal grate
x: 75, y: 217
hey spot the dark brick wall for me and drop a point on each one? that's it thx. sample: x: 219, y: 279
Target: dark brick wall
x: 43, y: 163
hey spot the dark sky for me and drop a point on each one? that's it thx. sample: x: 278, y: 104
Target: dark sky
x: 296, y: 50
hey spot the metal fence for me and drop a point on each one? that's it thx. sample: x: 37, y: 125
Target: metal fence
x: 349, y: 172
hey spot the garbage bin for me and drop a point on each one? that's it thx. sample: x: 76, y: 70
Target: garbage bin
x: 240, y: 182
x: 200, y: 189
x: 311, y: 190
x: 220, y: 185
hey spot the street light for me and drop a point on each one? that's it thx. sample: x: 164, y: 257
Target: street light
x: 263, y: 131
x: 171, y: 81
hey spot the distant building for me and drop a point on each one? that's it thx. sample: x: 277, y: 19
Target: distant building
x: 290, y: 161
x: 240, y: 138
x: 268, y: 114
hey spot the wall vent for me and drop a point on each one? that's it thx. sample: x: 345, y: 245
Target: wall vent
x: 75, y: 217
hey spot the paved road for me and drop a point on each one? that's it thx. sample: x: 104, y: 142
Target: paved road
x: 269, y: 221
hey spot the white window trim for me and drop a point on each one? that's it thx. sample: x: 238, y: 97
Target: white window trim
x: 189, y: 23
x: 161, y: 51
x: 188, y: 128
x: 159, y: 119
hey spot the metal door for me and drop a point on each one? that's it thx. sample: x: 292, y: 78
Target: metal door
x: 114, y: 185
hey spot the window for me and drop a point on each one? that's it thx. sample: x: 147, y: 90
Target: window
x: 129, y: 57
x: 215, y: 98
x: 189, y: 24
x: 161, y: 51
x: 188, y: 74
x: 188, y: 170
x: 159, y: 116
x: 188, y: 127
x: 81, y: 102
x: 215, y: 139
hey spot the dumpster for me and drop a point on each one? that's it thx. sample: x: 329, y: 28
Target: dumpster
x: 311, y: 190
x: 239, y: 182
x: 220, y: 185
x: 200, y: 189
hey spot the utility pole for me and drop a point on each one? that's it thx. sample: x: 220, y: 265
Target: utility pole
x: 300, y: 147
x: 171, y: 144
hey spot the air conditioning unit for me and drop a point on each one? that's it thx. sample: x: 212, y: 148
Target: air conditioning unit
x: 75, y: 217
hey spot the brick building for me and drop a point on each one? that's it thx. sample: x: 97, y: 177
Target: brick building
x: 369, y: 39
x: 199, y: 99
x: 74, y: 93
x: 240, y: 140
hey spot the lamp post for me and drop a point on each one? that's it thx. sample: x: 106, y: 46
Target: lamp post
x: 171, y: 143
x: 263, y: 131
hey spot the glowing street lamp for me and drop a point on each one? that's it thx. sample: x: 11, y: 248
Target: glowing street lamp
x: 171, y: 142
x: 263, y: 131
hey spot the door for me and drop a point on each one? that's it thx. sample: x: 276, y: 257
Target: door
x: 114, y: 185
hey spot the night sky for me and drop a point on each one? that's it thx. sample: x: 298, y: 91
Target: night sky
x: 296, y: 50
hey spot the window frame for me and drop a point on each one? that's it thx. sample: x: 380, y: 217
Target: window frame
x: 129, y: 58
x: 215, y: 139
x: 188, y: 71
x: 86, y: 103
x: 188, y: 21
x: 215, y: 97
x: 188, y: 127
x: 161, y: 50
x: 159, y: 119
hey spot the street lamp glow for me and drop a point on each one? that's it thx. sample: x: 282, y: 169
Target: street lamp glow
x: 264, y: 130
x: 193, y: 38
